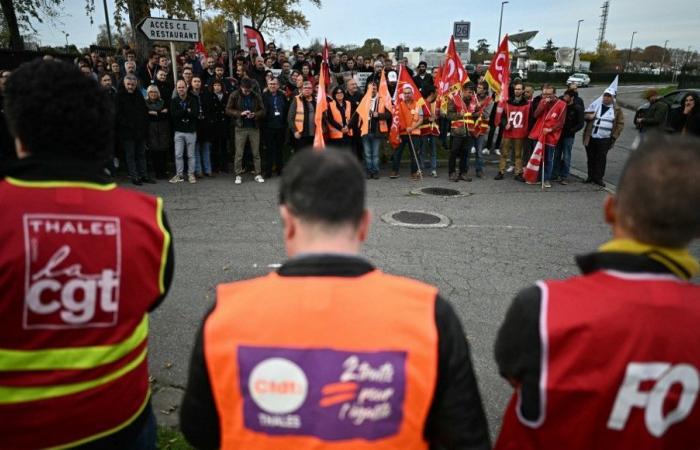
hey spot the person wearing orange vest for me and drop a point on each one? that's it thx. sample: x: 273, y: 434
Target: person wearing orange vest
x: 329, y: 352
x: 338, y: 118
x: 460, y: 111
x: 83, y: 262
x: 481, y: 117
x: 410, y: 118
x: 302, y: 110
x: 609, y: 359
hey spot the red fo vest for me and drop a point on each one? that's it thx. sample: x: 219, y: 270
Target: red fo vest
x: 621, y: 366
x: 517, y: 117
x: 550, y: 118
x: 323, y: 362
x: 81, y: 265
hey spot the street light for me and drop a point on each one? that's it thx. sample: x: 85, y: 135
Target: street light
x: 67, y: 34
x: 573, y: 61
x: 629, y: 54
x: 663, y: 56
x: 500, y: 22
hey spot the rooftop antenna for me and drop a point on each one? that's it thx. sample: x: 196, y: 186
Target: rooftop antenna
x: 603, y: 23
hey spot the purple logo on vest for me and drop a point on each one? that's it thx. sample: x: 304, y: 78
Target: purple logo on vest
x: 332, y: 395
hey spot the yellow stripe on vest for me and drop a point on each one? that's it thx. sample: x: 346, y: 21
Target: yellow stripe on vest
x: 9, y: 395
x: 166, y: 245
x: 72, y: 358
x: 60, y: 184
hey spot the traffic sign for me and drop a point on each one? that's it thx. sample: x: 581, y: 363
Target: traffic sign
x: 173, y: 30
x: 461, y: 30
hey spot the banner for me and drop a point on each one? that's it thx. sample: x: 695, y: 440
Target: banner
x: 254, y: 38
x: 361, y: 78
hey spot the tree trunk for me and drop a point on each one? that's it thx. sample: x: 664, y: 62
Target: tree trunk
x: 16, y: 42
x: 138, y: 10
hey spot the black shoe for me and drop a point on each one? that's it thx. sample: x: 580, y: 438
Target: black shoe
x: 369, y: 176
x: 148, y: 180
x: 519, y: 177
x: 479, y: 174
x: 136, y: 181
x: 499, y: 176
x: 589, y: 180
x: 599, y: 183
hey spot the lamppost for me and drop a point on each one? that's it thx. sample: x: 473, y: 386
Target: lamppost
x: 67, y: 34
x: 629, y: 54
x: 573, y: 61
x: 500, y: 23
x: 109, y: 31
x: 663, y: 56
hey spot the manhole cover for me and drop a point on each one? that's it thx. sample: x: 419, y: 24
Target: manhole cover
x: 416, y: 219
x: 440, y: 192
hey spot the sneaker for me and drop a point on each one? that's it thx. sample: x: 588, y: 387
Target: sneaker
x: 499, y: 176
x: 238, y: 180
x: 563, y: 181
x: 434, y: 173
x: 465, y: 178
x: 414, y: 176
x: 454, y: 177
x: 199, y: 175
x: 176, y: 179
x: 473, y: 150
x: 259, y: 179
x: 393, y: 174
x: 479, y: 174
x: 510, y: 169
x: 497, y: 151
x: 519, y: 177
x: 191, y: 178
x: 136, y: 181
x: 485, y: 151
x: 547, y: 184
x: 531, y: 182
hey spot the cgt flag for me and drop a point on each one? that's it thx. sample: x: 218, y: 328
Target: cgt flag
x: 498, y: 76
x: 405, y: 80
x: 255, y: 38
x: 533, y: 165
x: 452, y: 76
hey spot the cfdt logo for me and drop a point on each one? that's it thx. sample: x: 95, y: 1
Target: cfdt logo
x: 73, y: 269
x: 278, y: 386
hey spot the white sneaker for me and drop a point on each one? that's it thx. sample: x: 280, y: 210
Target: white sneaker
x: 191, y: 178
x: 473, y: 150
x: 259, y: 179
x: 510, y: 169
x: 485, y: 151
x: 434, y: 173
x: 238, y: 180
x: 497, y: 151
x: 177, y: 179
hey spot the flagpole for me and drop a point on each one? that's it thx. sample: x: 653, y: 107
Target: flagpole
x: 415, y: 156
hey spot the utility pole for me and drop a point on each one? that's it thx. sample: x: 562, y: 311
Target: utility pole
x: 663, y: 56
x: 109, y: 31
x: 629, y: 54
x: 500, y: 23
x: 201, y: 23
x: 573, y: 61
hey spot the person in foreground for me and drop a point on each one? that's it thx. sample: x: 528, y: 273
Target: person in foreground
x: 329, y: 352
x: 82, y: 264
x: 609, y: 359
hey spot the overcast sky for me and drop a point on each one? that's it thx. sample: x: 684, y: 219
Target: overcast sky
x: 429, y: 24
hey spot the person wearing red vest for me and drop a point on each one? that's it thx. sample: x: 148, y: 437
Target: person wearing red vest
x: 338, y: 119
x: 329, y: 352
x: 609, y: 359
x: 550, y: 116
x: 83, y: 262
x: 515, y: 132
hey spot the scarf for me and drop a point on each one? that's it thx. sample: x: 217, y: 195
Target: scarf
x: 679, y: 261
x: 155, y: 106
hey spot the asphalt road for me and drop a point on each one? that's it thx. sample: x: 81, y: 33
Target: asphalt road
x: 503, y: 237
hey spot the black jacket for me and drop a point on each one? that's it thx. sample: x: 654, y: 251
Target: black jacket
x: 574, y: 119
x: 132, y: 115
x: 456, y: 419
x: 272, y: 118
x: 216, y: 122
x: 184, y: 114
x: 425, y: 85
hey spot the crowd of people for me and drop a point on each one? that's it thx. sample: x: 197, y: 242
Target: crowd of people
x: 263, y: 111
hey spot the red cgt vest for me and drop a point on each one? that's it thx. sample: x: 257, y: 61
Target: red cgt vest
x: 323, y: 362
x: 81, y: 264
x: 621, y: 366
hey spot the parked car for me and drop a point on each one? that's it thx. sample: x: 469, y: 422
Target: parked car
x: 673, y: 99
x: 581, y: 79
x: 557, y: 70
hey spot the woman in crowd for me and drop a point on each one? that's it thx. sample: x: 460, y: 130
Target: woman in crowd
x: 217, y: 124
x: 338, y: 119
x: 688, y: 120
x: 159, y: 136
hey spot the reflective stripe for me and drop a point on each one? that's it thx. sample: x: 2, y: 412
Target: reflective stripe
x: 166, y: 245
x: 121, y: 426
x: 60, y: 184
x: 9, y: 395
x: 72, y: 358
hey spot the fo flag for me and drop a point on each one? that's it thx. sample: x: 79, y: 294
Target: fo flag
x: 533, y: 165
x: 498, y: 76
x: 254, y: 39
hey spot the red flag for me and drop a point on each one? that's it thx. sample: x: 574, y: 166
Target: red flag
x: 405, y: 80
x: 321, y: 107
x: 452, y: 76
x: 255, y: 38
x: 498, y: 76
x: 326, y: 68
x: 533, y: 165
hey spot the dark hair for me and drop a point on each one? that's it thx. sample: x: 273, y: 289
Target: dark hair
x: 336, y: 90
x: 696, y: 108
x: 325, y: 187
x: 570, y: 92
x: 246, y: 83
x: 468, y: 85
x: 73, y: 118
x: 423, y: 63
x: 654, y: 203
x: 485, y: 85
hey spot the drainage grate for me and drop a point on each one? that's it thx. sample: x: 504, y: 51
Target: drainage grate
x: 444, y: 192
x: 416, y: 219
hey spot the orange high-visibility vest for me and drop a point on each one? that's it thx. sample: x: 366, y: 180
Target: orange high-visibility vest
x: 337, y: 116
x: 323, y: 362
x: 299, y: 115
x: 408, y: 116
x: 430, y: 128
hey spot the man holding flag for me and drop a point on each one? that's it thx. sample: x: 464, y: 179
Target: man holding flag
x: 408, y: 115
x: 374, y: 115
x: 550, y: 115
x: 498, y: 78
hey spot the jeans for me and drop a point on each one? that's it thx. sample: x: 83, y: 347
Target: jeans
x: 479, y: 144
x: 428, y: 145
x: 135, y: 152
x: 243, y: 135
x: 548, y: 161
x: 562, y: 157
x: 371, y: 144
x: 398, y: 153
x: 182, y: 141
x: 202, y: 157
x: 146, y: 440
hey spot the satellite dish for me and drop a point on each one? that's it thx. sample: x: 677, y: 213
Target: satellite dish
x: 521, y: 40
x: 565, y: 56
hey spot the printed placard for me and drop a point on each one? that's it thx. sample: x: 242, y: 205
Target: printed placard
x: 329, y: 394
x: 72, y: 271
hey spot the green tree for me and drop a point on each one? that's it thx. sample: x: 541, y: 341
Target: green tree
x: 120, y: 36
x: 266, y: 15
x: 20, y: 14
x: 371, y: 47
x: 482, y: 47
x: 214, y: 30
